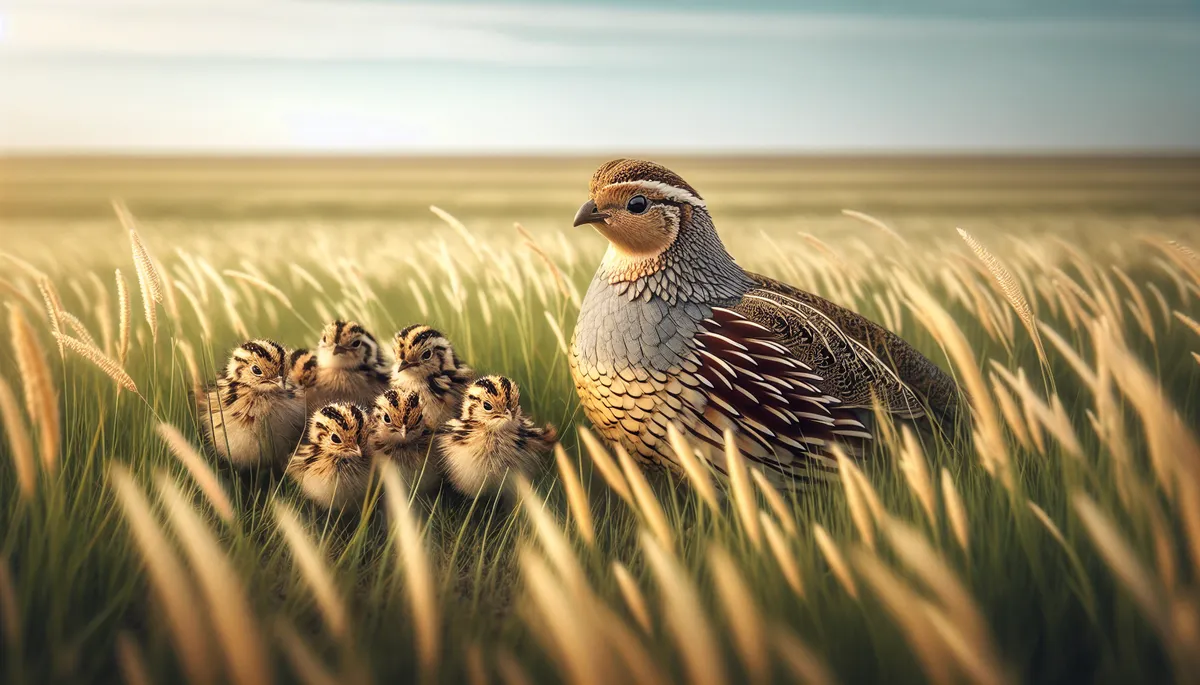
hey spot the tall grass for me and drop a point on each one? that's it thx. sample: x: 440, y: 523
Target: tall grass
x: 1060, y: 543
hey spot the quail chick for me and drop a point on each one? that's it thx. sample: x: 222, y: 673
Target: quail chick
x: 350, y: 366
x: 330, y: 465
x: 251, y: 415
x: 491, y: 438
x: 672, y: 330
x: 397, y: 432
x: 426, y: 364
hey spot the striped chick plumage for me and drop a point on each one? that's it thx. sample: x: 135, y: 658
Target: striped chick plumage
x: 492, y: 441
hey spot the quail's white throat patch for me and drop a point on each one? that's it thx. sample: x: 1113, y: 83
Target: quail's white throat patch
x: 667, y: 190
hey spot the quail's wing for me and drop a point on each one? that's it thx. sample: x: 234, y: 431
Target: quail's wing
x: 777, y: 403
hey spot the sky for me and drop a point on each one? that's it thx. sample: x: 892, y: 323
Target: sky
x: 388, y: 77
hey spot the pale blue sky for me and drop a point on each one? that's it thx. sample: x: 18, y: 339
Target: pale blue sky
x: 382, y: 76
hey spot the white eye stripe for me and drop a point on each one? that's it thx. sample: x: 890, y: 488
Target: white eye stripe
x: 668, y: 191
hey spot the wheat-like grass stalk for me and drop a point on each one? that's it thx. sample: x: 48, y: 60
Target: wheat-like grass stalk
x: 53, y: 307
x: 131, y: 661
x: 10, y: 609
x: 78, y: 328
x: 1137, y: 304
x: 635, y: 601
x: 41, y: 400
x: 511, y: 671
x: 189, y: 360
x: 314, y: 570
x: 685, y: 619
x: 696, y: 472
x: 604, y: 463
x: 102, y: 361
x: 784, y: 557
x: 197, y: 309
x: 833, y: 557
x: 991, y: 444
x: 961, y: 610
x: 802, y: 662
x: 872, y: 221
x: 564, y: 626
x: 904, y: 606
x: 577, y: 497
x: 460, y: 229
x: 1010, y: 412
x: 560, y: 281
x: 1122, y: 561
x: 649, y: 506
x: 558, y: 334
x: 956, y: 512
x: 745, y: 620
x: 743, y: 492
x: 19, y: 443
x: 412, y: 556
x: 125, y: 322
x: 784, y: 513
x: 199, y: 469
x: 916, y: 472
x: 553, y: 540
x: 1010, y: 288
x: 301, y: 657
x: 629, y: 647
x: 236, y: 628
x: 860, y: 514
x: 263, y: 285
x: 168, y: 579
x: 148, y: 278
x: 1188, y: 321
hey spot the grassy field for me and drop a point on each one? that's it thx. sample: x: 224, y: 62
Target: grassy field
x: 1061, y: 544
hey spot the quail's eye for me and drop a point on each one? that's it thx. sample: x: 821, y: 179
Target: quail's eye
x: 336, y: 439
x: 487, y: 406
x: 356, y: 343
x: 427, y: 355
x: 255, y: 370
x: 387, y: 419
x: 637, y: 204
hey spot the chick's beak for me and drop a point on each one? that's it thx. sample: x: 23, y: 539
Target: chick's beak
x: 588, y: 214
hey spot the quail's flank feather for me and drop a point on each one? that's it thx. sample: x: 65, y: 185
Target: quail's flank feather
x: 672, y: 330
x: 491, y: 442
x: 251, y: 415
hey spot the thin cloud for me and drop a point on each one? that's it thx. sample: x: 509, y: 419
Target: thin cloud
x: 324, y: 30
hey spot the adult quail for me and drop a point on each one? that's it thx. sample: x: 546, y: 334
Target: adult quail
x: 673, y: 330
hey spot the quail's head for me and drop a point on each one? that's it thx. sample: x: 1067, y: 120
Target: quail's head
x: 492, y: 400
x: 397, y: 416
x: 259, y: 365
x: 639, y: 206
x: 335, y: 432
x: 422, y: 352
x: 347, y: 345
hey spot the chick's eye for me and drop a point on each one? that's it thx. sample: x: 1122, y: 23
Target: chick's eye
x: 637, y: 204
x: 427, y: 355
x: 255, y: 370
x: 387, y: 419
x: 336, y: 439
x: 487, y: 406
x: 356, y: 343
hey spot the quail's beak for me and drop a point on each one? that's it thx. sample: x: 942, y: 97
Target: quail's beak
x: 281, y: 382
x: 403, y: 432
x: 588, y: 214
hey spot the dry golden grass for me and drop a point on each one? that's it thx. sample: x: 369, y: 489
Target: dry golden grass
x: 19, y: 443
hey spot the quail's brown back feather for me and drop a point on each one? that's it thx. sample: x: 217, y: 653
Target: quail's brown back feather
x: 849, y: 371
